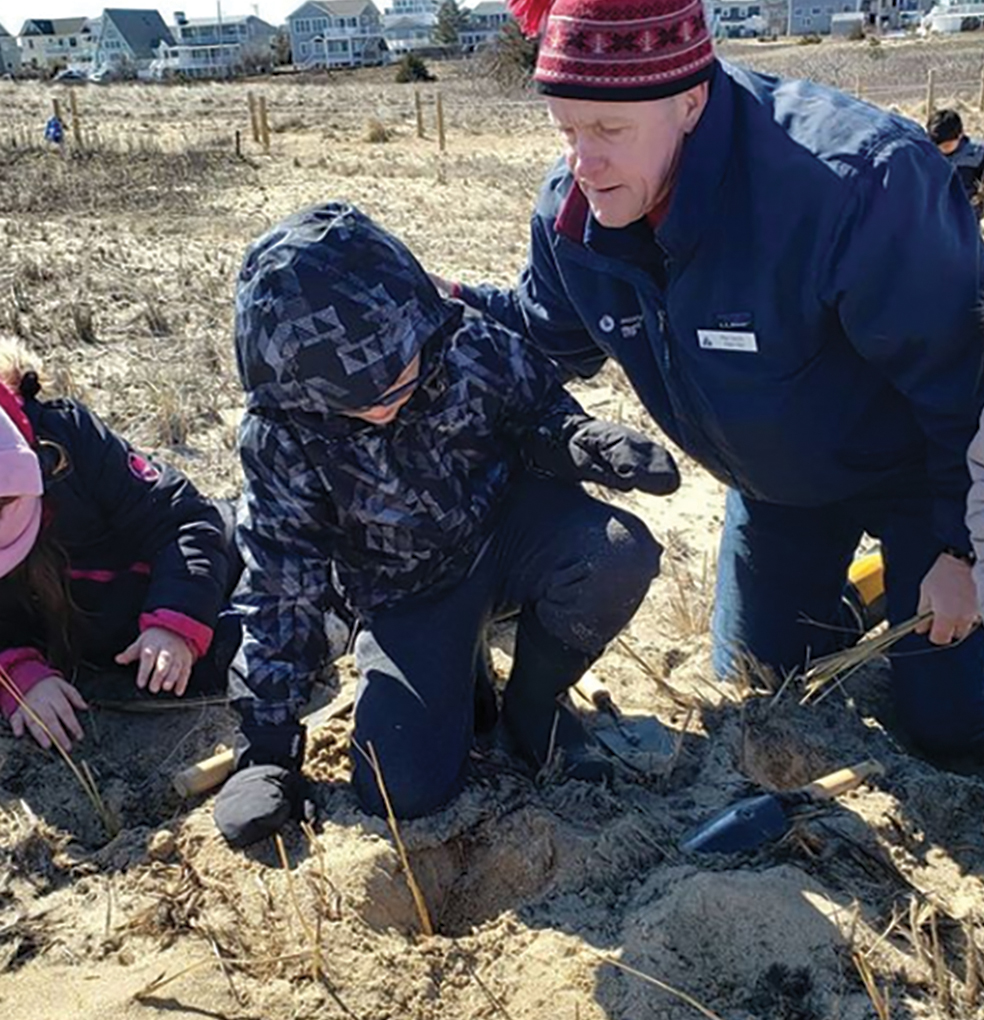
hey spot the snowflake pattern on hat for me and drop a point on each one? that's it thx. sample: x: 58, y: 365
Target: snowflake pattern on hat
x: 607, y: 50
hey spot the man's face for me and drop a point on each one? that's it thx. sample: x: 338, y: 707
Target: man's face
x: 623, y: 155
x: 948, y: 146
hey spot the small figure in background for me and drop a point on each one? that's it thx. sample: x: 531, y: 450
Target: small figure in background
x: 54, y: 131
x: 945, y: 129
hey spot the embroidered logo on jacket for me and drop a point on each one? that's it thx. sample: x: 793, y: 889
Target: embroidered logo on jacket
x: 142, y: 468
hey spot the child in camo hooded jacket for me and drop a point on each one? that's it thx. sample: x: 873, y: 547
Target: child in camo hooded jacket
x: 412, y: 469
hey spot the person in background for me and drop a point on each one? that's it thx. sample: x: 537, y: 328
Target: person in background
x: 415, y: 467
x: 107, y: 559
x: 946, y: 131
x: 791, y: 280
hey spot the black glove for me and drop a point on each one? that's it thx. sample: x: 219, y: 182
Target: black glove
x: 267, y: 788
x: 606, y: 453
x: 258, y: 801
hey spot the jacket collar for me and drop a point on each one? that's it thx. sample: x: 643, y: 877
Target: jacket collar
x: 692, y: 207
x: 705, y: 158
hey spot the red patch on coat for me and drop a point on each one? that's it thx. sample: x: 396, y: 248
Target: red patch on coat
x: 142, y: 468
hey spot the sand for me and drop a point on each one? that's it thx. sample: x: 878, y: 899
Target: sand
x: 549, y: 900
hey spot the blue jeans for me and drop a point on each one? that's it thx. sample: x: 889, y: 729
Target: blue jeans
x: 580, y: 565
x: 780, y: 575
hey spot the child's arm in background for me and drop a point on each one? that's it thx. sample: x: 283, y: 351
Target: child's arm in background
x: 159, y: 513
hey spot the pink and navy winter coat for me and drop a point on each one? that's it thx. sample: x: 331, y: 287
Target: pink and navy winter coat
x: 144, y: 547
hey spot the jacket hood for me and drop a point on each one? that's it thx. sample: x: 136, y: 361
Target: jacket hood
x: 330, y: 309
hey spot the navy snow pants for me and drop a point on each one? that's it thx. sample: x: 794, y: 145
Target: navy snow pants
x: 581, y: 565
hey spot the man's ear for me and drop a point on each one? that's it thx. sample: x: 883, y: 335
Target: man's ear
x: 694, y: 100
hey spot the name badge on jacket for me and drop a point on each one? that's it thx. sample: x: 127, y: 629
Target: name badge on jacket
x: 727, y: 340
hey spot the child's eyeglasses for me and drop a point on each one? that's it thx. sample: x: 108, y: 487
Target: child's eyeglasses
x: 387, y: 399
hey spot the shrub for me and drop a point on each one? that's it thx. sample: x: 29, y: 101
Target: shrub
x: 810, y: 39
x: 377, y: 131
x: 412, y: 68
x: 511, y: 59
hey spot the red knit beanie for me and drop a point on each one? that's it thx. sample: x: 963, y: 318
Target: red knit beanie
x: 611, y: 50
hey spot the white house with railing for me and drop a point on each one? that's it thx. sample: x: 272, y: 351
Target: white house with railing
x: 485, y: 21
x: 214, y: 48
x: 409, y: 24
x: 336, y: 33
x: 49, y: 44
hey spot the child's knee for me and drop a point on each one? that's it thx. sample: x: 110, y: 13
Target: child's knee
x: 414, y: 789
x: 627, y: 561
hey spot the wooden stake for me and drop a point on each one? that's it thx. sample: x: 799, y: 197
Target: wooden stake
x: 253, y: 123
x: 76, y: 123
x: 56, y: 108
x: 264, y: 126
x: 441, y: 141
x: 930, y: 93
x: 418, y: 106
x: 980, y: 101
x: 858, y: 88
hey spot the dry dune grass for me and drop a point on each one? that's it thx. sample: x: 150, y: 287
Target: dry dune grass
x: 118, y: 267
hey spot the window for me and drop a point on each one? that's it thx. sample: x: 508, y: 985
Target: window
x: 814, y: 10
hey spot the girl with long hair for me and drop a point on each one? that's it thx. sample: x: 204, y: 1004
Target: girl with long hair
x: 107, y: 559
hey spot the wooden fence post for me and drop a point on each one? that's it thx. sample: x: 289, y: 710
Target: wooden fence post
x: 253, y: 122
x: 418, y: 107
x: 980, y: 101
x: 56, y: 108
x: 441, y: 141
x: 264, y: 126
x: 930, y: 93
x: 76, y: 123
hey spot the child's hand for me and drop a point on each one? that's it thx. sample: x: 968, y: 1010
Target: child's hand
x: 165, y: 660
x: 53, y: 700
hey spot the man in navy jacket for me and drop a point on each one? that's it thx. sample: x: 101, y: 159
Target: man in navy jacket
x: 791, y: 281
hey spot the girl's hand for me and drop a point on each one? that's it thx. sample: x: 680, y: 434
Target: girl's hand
x: 53, y: 701
x: 165, y: 660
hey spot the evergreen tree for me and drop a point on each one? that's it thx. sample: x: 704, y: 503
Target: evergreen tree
x: 451, y: 19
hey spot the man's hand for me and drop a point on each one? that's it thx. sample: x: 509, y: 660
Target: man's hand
x: 53, y: 701
x: 165, y: 660
x: 948, y: 592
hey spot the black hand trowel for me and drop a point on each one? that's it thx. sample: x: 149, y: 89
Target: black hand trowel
x: 749, y: 823
x: 641, y: 741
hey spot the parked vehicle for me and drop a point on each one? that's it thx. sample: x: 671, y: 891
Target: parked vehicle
x: 71, y: 76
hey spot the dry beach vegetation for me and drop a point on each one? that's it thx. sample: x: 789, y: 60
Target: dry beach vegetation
x: 571, y: 902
